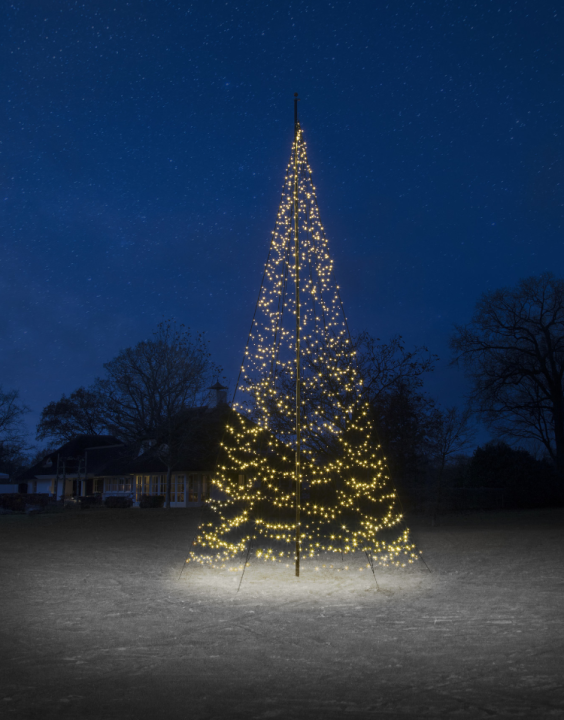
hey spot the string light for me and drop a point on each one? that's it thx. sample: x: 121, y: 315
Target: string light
x: 348, y: 502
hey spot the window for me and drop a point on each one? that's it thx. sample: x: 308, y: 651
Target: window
x: 118, y: 485
x: 193, y: 487
x: 172, y: 488
x: 99, y: 485
x: 150, y: 485
x: 180, y: 488
x: 159, y: 485
x: 206, y: 482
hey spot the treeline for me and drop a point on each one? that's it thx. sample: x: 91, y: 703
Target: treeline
x: 512, y: 351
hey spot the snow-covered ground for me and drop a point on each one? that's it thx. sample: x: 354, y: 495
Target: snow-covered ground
x: 102, y: 618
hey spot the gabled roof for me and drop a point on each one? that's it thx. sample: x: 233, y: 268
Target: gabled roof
x: 201, y: 434
x: 99, y: 448
x: 99, y: 457
x: 80, y: 443
x: 118, y: 464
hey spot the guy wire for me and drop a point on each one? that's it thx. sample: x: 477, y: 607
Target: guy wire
x: 245, y: 565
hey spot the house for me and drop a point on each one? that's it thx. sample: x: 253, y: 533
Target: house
x: 192, y: 464
x: 6, y: 486
x: 70, y: 470
x: 105, y: 466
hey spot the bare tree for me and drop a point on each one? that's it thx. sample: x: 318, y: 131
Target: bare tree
x: 11, y: 414
x: 13, y: 443
x: 149, y: 384
x: 82, y: 412
x: 143, y: 394
x: 405, y: 416
x: 385, y: 367
x: 392, y: 380
x: 406, y: 421
x: 454, y: 433
x: 513, y: 350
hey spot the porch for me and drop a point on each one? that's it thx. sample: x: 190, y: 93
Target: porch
x: 187, y: 489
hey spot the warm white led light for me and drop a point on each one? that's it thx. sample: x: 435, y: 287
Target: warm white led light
x: 348, y: 502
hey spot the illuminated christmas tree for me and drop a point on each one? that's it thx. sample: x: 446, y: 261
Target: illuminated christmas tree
x: 298, y: 467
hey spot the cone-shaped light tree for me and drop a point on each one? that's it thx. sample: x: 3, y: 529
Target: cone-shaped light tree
x: 298, y: 467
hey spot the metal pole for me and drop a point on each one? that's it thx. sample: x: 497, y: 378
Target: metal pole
x: 78, y: 482
x: 64, y: 479
x: 297, y: 270
x: 57, y: 480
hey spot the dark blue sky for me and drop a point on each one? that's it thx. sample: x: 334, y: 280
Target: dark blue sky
x: 144, y: 145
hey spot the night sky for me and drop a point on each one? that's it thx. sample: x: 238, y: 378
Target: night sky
x: 144, y: 146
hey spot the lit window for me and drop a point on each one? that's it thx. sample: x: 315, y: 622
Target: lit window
x: 193, y: 488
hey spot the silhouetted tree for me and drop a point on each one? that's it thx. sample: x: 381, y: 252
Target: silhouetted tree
x: 513, y: 350
x: 83, y: 412
x: 405, y: 417
x: 147, y: 385
x: 143, y: 393
x: 385, y: 367
x: 453, y: 433
x: 13, y: 442
x: 528, y: 481
x: 406, y: 423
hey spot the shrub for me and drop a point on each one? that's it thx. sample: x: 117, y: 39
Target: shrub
x: 118, y: 502
x: 87, y: 501
x: 527, y: 481
x: 18, y: 501
x: 41, y: 499
x: 151, y: 501
x: 13, y: 501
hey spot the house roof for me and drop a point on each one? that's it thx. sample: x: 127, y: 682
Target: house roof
x: 99, y: 448
x: 199, y: 437
x: 198, y: 446
x: 119, y: 464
